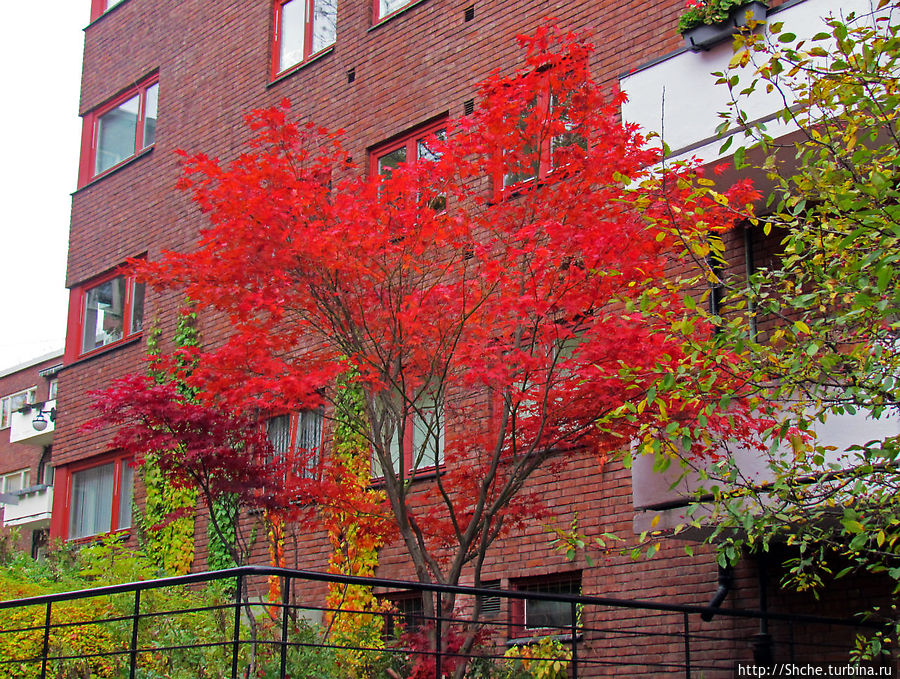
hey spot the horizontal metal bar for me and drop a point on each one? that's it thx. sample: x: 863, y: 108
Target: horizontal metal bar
x: 316, y: 576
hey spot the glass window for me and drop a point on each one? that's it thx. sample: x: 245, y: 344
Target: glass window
x: 11, y: 403
x: 299, y: 35
x: 17, y: 480
x: 549, y: 614
x: 100, y: 499
x: 52, y: 390
x: 428, y: 435
x: 418, y: 146
x: 126, y: 483
x: 298, y: 437
x: 91, y: 501
x: 151, y: 110
x: 121, y: 130
x: 390, y: 160
x: 116, y: 134
x: 386, y: 7
x: 539, y: 157
x: 104, y: 307
x: 113, y: 310
x: 423, y: 440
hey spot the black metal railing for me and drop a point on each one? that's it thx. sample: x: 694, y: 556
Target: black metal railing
x: 232, y: 627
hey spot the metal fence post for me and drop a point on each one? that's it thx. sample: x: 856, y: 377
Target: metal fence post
x: 236, y: 639
x: 687, y: 647
x: 132, y: 652
x: 46, y: 650
x: 437, y: 635
x: 574, y: 640
x: 285, y: 600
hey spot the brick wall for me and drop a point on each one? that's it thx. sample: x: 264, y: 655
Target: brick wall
x: 214, y: 66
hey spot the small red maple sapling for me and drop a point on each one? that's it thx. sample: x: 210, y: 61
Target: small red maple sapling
x: 504, y: 303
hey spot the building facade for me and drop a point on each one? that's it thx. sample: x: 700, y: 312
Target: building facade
x: 159, y: 77
x: 28, y: 413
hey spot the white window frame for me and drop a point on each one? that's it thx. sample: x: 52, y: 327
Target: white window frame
x: 23, y: 476
x: 6, y: 405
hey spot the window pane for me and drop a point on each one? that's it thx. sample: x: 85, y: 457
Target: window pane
x: 292, y: 33
x: 527, y: 166
x: 91, y: 501
x: 550, y: 613
x: 104, y: 307
x: 324, y: 24
x: 125, y: 491
x: 18, y: 400
x: 151, y: 104
x: 389, y: 161
x: 15, y: 481
x: 137, y: 308
x: 424, y: 151
x: 116, y: 132
x: 278, y: 430
x: 54, y: 386
x: 428, y: 437
x: 309, y: 436
x: 396, y: 455
x: 385, y: 7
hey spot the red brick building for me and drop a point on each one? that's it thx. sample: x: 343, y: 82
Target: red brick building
x: 27, y: 422
x: 164, y: 76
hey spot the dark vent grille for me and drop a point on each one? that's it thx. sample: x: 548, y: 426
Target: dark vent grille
x: 490, y: 605
x: 351, y: 75
x: 469, y: 107
x: 469, y: 13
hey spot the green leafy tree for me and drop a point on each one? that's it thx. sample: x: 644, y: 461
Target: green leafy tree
x: 828, y: 311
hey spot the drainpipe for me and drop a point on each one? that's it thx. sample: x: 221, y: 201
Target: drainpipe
x: 762, y: 642
x: 726, y: 582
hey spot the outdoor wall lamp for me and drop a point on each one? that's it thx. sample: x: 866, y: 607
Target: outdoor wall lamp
x: 40, y: 422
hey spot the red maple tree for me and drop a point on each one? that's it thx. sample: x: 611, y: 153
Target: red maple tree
x: 506, y: 299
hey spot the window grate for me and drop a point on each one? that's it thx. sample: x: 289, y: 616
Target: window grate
x: 490, y: 605
x: 469, y: 107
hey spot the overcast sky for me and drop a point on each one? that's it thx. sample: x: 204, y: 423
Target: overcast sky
x: 41, y: 76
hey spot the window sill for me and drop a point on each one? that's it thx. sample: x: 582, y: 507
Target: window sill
x: 426, y: 474
x: 288, y: 72
x: 119, y: 535
x: 538, y: 638
x: 388, y: 17
x: 115, y: 168
x: 101, y: 351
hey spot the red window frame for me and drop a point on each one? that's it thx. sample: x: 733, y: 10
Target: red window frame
x: 546, y: 164
x: 408, y: 141
x: 378, y: 17
x: 90, y: 130
x: 62, y: 505
x: 408, y: 447
x: 517, y: 607
x: 78, y: 300
x: 101, y: 7
x: 309, y: 16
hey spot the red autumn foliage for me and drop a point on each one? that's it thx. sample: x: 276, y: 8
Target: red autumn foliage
x: 503, y: 301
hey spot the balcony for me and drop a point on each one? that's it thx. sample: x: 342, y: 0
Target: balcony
x: 677, y: 97
x: 30, y: 507
x: 666, y: 494
x: 33, y: 424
